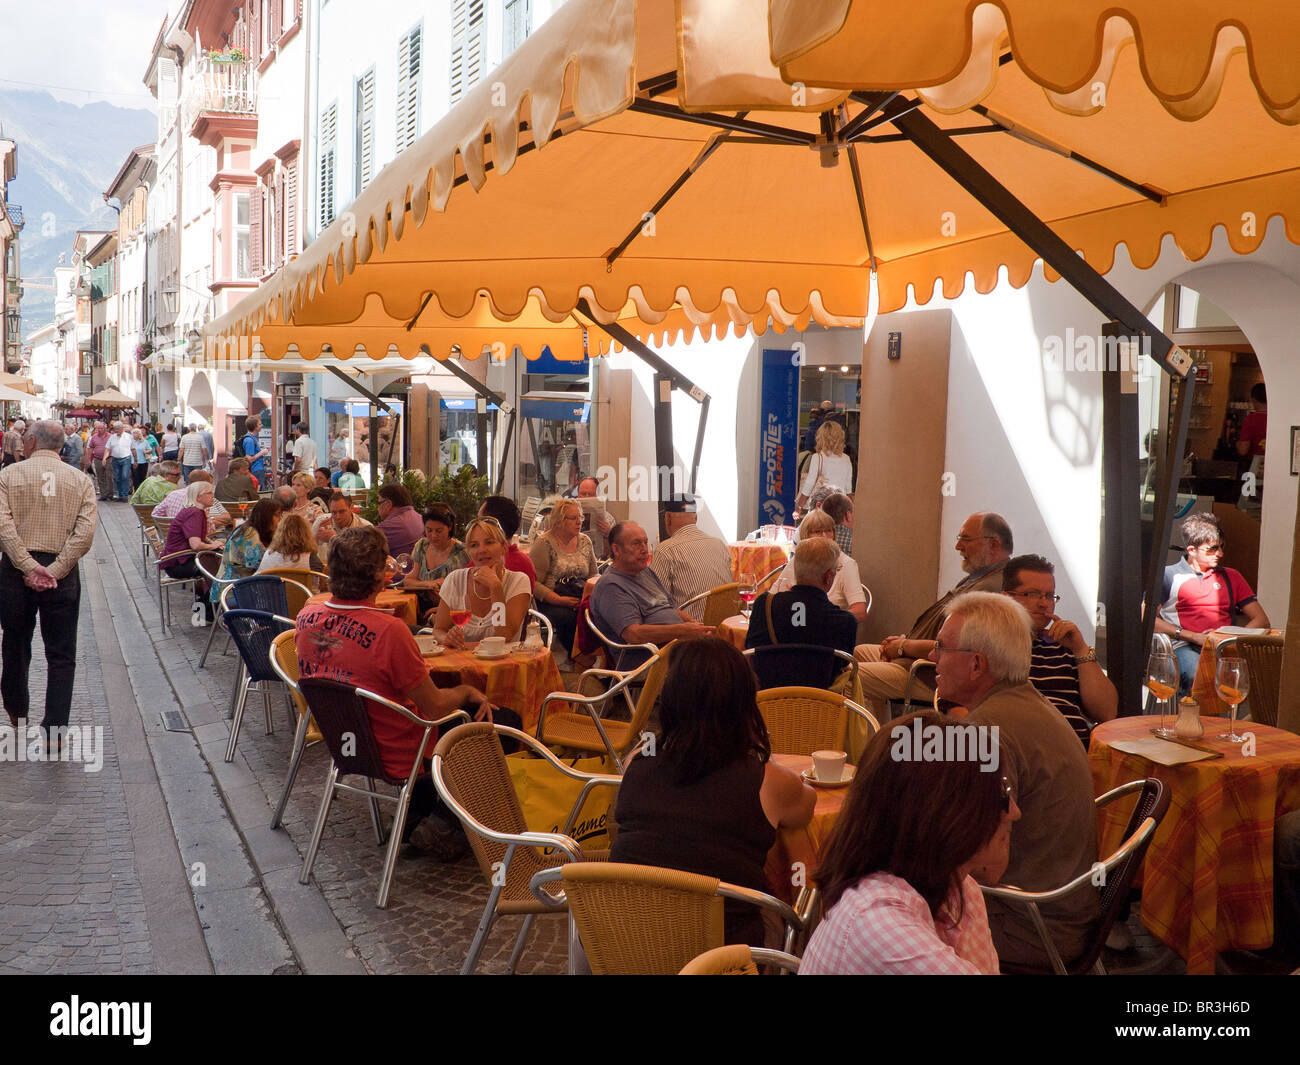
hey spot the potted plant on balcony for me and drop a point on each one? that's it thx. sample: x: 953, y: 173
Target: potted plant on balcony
x: 233, y: 55
x: 143, y: 351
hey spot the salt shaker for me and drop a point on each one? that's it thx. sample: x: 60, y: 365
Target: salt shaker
x: 533, y: 637
x: 1188, y: 726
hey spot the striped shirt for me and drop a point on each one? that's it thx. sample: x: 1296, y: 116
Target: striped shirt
x: 1055, y: 673
x: 690, y: 562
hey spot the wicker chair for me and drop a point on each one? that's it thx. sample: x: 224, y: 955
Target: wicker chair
x: 635, y: 919
x: 343, y: 717
x: 163, y: 582
x: 258, y: 592
x: 588, y: 731
x: 284, y: 660
x: 144, y: 511
x: 720, y: 603
x: 803, y: 720
x: 1263, y: 655
x: 1120, y: 868
x: 470, y: 773
x: 613, y: 649
x: 739, y: 959
x: 766, y: 581
x: 317, y: 582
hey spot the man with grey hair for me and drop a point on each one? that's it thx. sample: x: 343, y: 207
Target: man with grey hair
x: 983, y: 653
x: 984, y: 543
x: 803, y: 615
x: 73, y: 446
x: 13, y: 442
x: 47, y: 522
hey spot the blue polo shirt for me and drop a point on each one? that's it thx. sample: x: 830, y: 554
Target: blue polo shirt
x: 251, y: 447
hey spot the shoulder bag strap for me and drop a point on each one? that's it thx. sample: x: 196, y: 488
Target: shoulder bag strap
x: 767, y: 609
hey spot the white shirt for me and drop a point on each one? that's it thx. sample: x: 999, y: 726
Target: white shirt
x: 836, y: 469
x: 454, y: 595
x: 304, y: 451
x: 275, y: 560
x: 119, y: 446
x: 846, y: 590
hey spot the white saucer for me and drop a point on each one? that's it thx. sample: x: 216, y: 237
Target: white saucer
x: 429, y: 646
x: 810, y: 775
x: 480, y: 653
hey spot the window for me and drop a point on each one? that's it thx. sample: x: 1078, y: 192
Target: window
x: 243, y: 261
x: 408, y: 89
x: 325, y: 166
x: 467, y: 40
x: 364, y: 148
x: 516, y: 25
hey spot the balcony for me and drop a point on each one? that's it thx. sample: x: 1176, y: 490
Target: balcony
x: 221, y: 98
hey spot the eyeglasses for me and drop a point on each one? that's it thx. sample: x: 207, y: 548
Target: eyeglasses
x: 1211, y: 549
x: 962, y: 538
x: 939, y: 649
x: 1034, y: 596
x: 1006, y: 795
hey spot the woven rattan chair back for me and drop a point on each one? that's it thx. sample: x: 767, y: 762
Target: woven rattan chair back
x: 639, y: 919
x: 252, y: 632
x: 144, y: 511
x: 284, y: 653
x: 317, y: 582
x: 1263, y: 655
x: 260, y: 592
x: 344, y: 722
x: 296, y: 595
x: 475, y: 771
x: 723, y: 602
x: 803, y: 720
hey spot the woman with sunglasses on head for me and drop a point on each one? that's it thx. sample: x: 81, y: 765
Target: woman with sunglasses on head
x: 485, y: 598
x: 899, y: 890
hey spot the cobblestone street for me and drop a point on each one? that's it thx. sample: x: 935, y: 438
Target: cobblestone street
x: 74, y: 888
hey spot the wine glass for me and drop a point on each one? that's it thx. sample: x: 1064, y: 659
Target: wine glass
x: 747, y: 589
x: 1232, y: 681
x: 461, y: 617
x: 1162, y: 680
x: 405, y: 564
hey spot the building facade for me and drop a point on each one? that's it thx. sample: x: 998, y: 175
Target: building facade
x: 11, y: 291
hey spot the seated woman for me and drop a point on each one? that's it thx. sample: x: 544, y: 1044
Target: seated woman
x: 189, y: 532
x: 350, y: 481
x: 846, y: 593
x: 495, y: 598
x: 435, y: 554
x: 305, y: 507
x: 247, y: 545
x: 292, y: 547
x: 900, y: 892
x: 564, y: 559
x: 710, y: 801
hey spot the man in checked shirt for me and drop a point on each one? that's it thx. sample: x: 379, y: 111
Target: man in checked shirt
x: 47, y: 522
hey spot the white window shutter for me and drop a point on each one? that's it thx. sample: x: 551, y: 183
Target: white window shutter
x: 467, y: 46
x: 365, y: 130
x: 409, y: 64
x: 328, y: 143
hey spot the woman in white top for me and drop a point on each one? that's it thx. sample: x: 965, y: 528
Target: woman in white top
x: 846, y: 593
x: 292, y: 547
x: 496, y: 598
x: 829, y: 465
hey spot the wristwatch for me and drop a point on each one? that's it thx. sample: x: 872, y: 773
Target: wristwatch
x: 1091, y: 656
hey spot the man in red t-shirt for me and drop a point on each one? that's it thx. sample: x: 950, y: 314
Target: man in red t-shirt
x: 1250, y: 442
x: 349, y: 639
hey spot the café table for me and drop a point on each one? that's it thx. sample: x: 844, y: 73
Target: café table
x: 1207, y: 880
x: 757, y: 557
x: 1203, y: 687
x: 402, y: 605
x: 801, y: 845
x: 519, y: 680
x: 734, y: 630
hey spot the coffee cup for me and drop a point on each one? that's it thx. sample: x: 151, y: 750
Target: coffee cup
x: 492, y: 645
x: 829, y: 765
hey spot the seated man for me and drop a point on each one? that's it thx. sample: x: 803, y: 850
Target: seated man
x: 174, y: 502
x: 804, y: 614
x: 349, y: 640
x: 506, y: 514
x: 984, y: 544
x: 631, y: 605
x: 398, y: 519
x: 237, y: 485
x: 689, y: 561
x: 595, y: 524
x: 1062, y: 666
x: 341, y: 516
x: 840, y: 508
x: 1200, y: 596
x: 982, y: 652
x: 156, y: 488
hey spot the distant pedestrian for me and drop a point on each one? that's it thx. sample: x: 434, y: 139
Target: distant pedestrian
x: 47, y: 522
x: 119, y: 450
x: 142, y: 453
x: 13, y: 443
x: 304, y: 449
x: 171, y: 444
x: 253, y: 450
x: 73, y: 446
x: 194, y: 455
x: 97, y: 461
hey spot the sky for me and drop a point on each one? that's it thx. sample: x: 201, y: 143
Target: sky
x: 82, y: 50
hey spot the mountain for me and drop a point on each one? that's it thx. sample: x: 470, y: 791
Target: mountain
x: 67, y: 155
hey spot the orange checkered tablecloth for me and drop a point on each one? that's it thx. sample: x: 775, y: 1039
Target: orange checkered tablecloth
x: 801, y: 844
x: 734, y: 630
x: 758, y: 558
x: 1203, y: 689
x: 1207, y: 881
x: 400, y: 604
x: 520, y: 680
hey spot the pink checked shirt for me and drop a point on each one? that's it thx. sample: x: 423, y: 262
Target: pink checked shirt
x: 881, y: 926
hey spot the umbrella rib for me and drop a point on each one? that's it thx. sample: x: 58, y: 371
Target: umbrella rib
x: 708, y: 118
x: 714, y: 143
x: 861, y: 198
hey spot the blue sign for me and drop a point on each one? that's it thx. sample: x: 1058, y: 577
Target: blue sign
x: 778, y: 427
x: 463, y: 404
x: 547, y: 363
x: 555, y: 410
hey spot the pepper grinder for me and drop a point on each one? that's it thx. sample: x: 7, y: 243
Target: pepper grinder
x: 1188, y: 726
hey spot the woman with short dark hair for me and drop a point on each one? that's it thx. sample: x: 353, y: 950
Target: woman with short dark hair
x: 898, y: 876
x: 436, y: 554
x: 709, y: 801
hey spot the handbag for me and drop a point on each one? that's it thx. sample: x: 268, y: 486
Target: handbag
x: 570, y: 587
x: 547, y: 797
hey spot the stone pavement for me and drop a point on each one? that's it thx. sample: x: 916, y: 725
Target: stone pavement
x: 331, y: 925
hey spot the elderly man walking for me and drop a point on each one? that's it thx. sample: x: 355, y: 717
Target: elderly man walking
x: 47, y: 522
x: 97, y: 461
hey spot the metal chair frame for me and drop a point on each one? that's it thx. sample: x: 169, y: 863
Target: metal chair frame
x: 246, y: 681
x: 166, y: 583
x: 848, y: 658
x: 1129, y: 855
x: 226, y: 604
x: 721, y: 961
x: 707, y: 598
x: 614, y: 645
x: 221, y: 584
x: 559, y: 841
x: 144, y: 512
x: 795, y: 923
x: 402, y: 798
x: 765, y: 582
x: 543, y: 622
x: 304, y: 721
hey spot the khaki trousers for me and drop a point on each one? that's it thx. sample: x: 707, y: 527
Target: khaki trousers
x: 882, y: 681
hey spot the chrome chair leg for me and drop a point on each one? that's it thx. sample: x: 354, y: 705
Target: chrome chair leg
x: 295, y: 761
x: 376, y: 818
x: 488, y: 917
x: 394, y: 841
x: 239, y: 717
x: 520, y: 940
x: 309, y: 859
x: 216, y: 624
x: 266, y: 707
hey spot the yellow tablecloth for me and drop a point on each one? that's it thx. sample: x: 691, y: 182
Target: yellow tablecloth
x: 752, y: 556
x: 734, y: 630
x: 1207, y: 881
x: 801, y: 845
x: 520, y: 680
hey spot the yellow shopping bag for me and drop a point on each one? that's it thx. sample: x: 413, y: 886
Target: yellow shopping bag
x: 547, y: 797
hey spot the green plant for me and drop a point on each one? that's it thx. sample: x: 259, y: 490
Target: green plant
x: 463, y: 491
